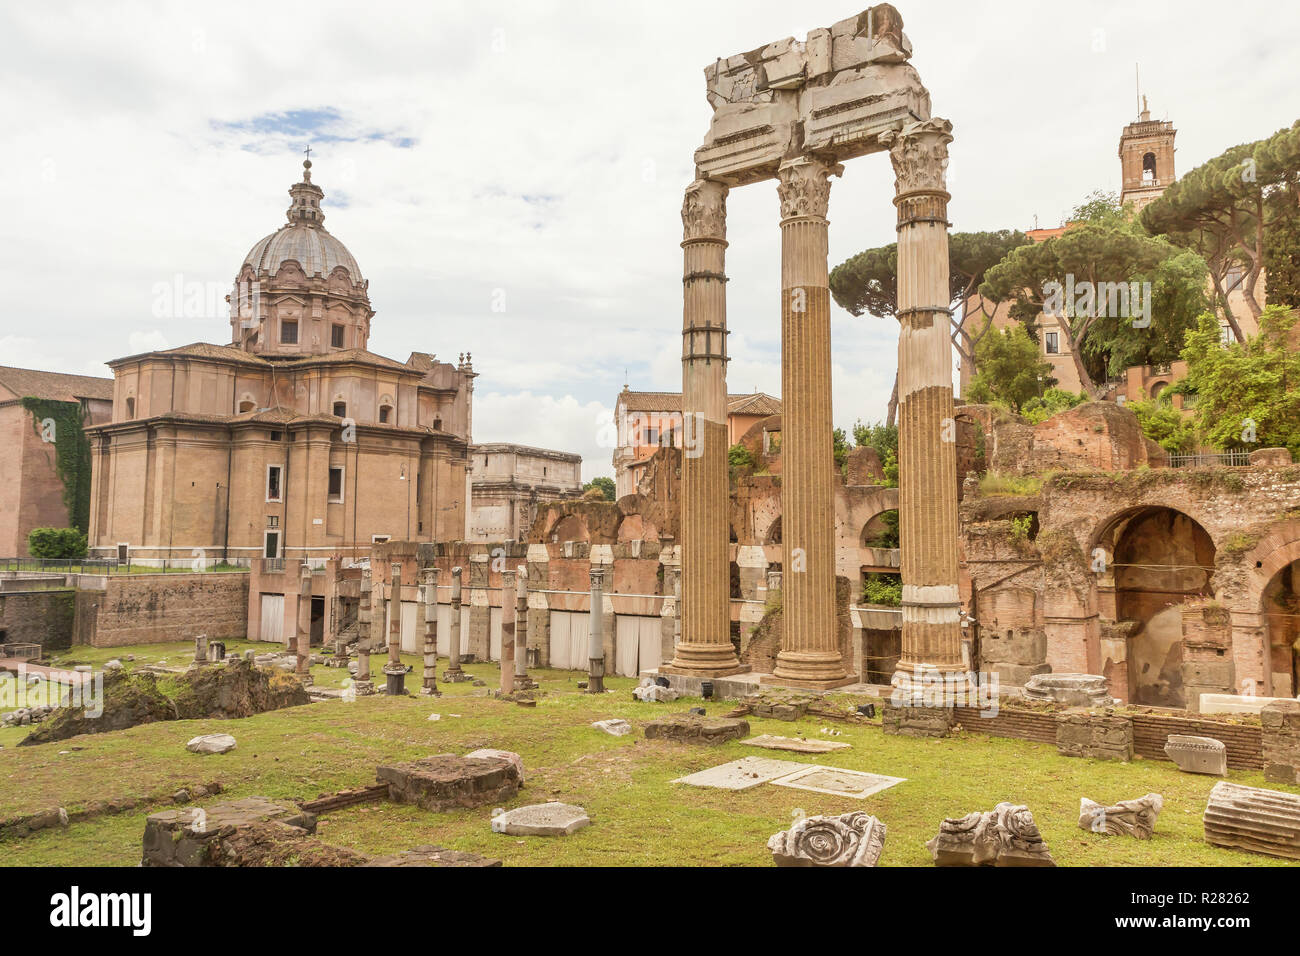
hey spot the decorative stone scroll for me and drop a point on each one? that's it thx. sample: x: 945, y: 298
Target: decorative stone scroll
x: 1197, y: 754
x: 853, y: 839
x: 1135, y: 818
x: 1004, y: 836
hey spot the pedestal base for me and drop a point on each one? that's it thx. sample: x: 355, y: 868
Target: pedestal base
x: 364, y: 688
x: 455, y: 677
x: 703, y: 672
x: 395, y: 678
x: 844, y: 681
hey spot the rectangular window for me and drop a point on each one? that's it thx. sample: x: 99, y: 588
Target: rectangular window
x: 336, y: 484
x: 288, y: 333
x: 273, y: 521
x: 275, y: 436
x: 340, y: 409
x: 1052, y: 343
x: 272, y: 549
x: 272, y: 484
x: 336, y: 336
x: 378, y: 538
x: 652, y: 436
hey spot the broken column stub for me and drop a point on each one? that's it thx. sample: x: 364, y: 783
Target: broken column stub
x: 1248, y: 818
x: 1073, y: 690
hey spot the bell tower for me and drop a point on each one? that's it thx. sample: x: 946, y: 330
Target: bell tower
x: 1146, y: 156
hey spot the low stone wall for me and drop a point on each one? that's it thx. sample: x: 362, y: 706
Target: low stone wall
x: 1244, y: 740
x: 153, y: 608
x: 1101, y: 736
x: 1281, y: 736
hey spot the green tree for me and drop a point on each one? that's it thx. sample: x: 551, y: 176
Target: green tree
x: 1282, y: 252
x: 1108, y: 254
x: 868, y: 283
x: 1098, y: 206
x: 1224, y: 209
x: 883, y: 438
x: 1246, y: 390
x: 602, y: 484
x: 1165, y: 425
x: 840, y: 442
x: 1053, y: 401
x: 740, y: 458
x: 1011, y: 370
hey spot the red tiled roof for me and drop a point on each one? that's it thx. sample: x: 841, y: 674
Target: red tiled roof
x: 54, y: 386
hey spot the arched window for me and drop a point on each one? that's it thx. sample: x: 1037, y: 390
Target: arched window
x: 385, y: 414
x: 130, y: 408
x: 246, y: 406
x: 1149, y: 168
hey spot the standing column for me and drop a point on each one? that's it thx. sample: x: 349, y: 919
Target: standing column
x: 596, y: 634
x: 430, y: 595
x: 508, y: 632
x: 927, y: 447
x: 521, y: 633
x: 705, y: 649
x: 810, y: 652
x: 302, y: 644
x: 454, y: 674
x: 395, y: 670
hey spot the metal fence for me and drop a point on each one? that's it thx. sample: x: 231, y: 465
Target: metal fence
x: 26, y: 652
x: 1230, y: 459
x: 114, y: 566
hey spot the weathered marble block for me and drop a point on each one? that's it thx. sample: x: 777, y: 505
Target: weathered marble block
x: 431, y: 856
x: 446, y: 782
x: 541, y: 819
x: 1135, y: 818
x: 1004, y: 836
x: 853, y: 839
x: 1248, y: 818
x: 1101, y: 736
x: 913, y: 721
x: 1198, y: 754
x: 692, y: 728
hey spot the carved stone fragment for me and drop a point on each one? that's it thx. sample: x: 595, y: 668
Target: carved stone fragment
x: 1003, y: 836
x: 853, y: 839
x: 1135, y: 818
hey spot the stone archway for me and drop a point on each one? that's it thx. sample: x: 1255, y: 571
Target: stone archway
x: 1158, y: 560
x: 1274, y: 586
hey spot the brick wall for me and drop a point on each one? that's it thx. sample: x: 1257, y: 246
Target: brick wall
x: 1020, y: 724
x: 45, y: 617
x: 152, y: 608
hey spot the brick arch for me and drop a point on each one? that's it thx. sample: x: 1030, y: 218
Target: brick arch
x: 1277, y: 549
x: 861, y: 513
x: 1114, y: 519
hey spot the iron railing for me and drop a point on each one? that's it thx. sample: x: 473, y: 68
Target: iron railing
x: 114, y: 566
x: 1230, y: 459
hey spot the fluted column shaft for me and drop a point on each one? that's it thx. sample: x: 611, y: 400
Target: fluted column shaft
x: 508, y: 607
x: 810, y: 642
x: 927, y: 446
x: 705, y: 649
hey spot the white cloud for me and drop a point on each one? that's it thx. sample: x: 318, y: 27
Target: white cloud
x: 552, y: 143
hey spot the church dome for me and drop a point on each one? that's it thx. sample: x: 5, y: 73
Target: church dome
x: 303, y: 239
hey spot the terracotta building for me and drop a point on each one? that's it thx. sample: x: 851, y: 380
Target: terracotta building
x: 648, y: 421
x: 509, y: 482
x: 293, y: 440
x: 32, y: 492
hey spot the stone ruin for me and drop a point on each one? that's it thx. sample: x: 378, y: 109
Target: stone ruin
x: 449, y: 782
x: 1198, y: 754
x: 1135, y: 818
x: 1074, y: 690
x: 853, y: 839
x: 692, y: 728
x: 1259, y: 821
x: 1003, y: 836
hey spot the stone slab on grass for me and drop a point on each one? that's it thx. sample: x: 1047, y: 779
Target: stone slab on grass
x: 842, y: 783
x: 795, y: 744
x: 744, y: 773
x: 693, y: 728
x: 541, y: 819
x: 211, y: 744
x: 446, y: 781
x: 1198, y: 754
x: 615, y: 726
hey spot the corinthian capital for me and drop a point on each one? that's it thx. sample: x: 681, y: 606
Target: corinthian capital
x: 704, y: 210
x: 920, y: 155
x: 804, y: 187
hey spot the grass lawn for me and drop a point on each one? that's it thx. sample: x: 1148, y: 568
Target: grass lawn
x: 639, y: 817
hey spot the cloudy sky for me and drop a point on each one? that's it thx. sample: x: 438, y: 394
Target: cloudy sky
x: 533, y: 154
